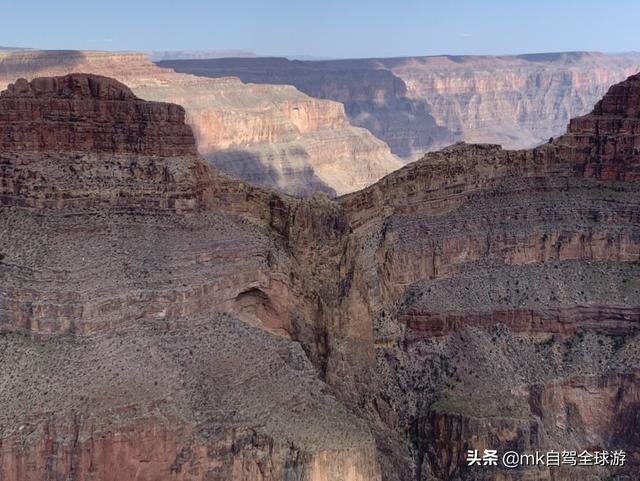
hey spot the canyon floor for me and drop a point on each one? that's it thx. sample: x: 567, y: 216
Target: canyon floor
x: 161, y: 320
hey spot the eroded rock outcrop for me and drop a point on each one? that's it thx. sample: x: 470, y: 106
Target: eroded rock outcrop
x: 86, y: 113
x: 505, y: 297
x: 271, y: 135
x: 605, y: 143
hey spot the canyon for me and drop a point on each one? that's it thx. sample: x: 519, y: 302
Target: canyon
x: 418, y: 104
x: 273, y: 135
x: 120, y: 263
x: 338, y: 126
x: 162, y: 320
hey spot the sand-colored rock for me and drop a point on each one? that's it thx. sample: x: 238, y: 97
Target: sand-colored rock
x: 418, y: 104
x: 516, y: 102
x: 274, y: 136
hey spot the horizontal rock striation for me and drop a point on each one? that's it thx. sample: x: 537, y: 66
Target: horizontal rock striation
x: 79, y: 141
x: 174, y: 401
x: 418, y: 104
x: 503, y: 286
x: 477, y: 298
x: 374, y: 97
x: 271, y: 135
x: 118, y: 262
x: 604, y: 144
x: 89, y: 114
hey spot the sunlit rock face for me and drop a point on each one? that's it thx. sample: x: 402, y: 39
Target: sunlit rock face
x: 162, y: 320
x: 416, y: 104
x: 270, y: 135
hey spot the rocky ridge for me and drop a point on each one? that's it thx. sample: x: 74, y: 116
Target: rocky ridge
x: 505, y: 297
x: 478, y: 298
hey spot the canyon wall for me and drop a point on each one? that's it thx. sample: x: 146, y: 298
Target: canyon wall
x: 139, y: 340
x: 274, y: 136
x: 417, y: 104
x: 504, y: 291
x: 161, y: 320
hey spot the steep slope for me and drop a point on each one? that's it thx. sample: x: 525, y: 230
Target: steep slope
x: 506, y: 301
x: 269, y: 135
x: 513, y: 101
x: 477, y: 298
x: 417, y: 104
x: 120, y: 252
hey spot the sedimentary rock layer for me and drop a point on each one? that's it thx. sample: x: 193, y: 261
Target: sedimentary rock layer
x: 86, y: 113
x: 209, y: 399
x: 275, y: 136
x: 505, y: 298
x: 118, y: 258
x: 477, y: 298
x: 417, y: 104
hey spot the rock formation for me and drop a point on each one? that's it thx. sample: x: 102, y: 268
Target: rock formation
x: 505, y: 298
x: 120, y: 253
x: 274, y: 136
x: 89, y: 114
x: 163, y: 321
x: 416, y: 104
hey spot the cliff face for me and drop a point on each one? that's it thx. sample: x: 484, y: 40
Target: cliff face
x: 161, y: 319
x: 604, y: 144
x: 517, y: 102
x: 270, y: 135
x: 504, y: 292
x: 121, y: 251
x: 374, y: 97
x: 417, y: 104
x: 89, y: 114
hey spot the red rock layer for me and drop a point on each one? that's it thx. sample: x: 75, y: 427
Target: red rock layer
x: 492, y: 274
x: 409, y: 298
x: 89, y: 114
x: 605, y: 144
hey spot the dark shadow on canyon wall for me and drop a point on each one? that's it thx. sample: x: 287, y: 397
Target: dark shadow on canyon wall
x: 374, y: 98
x: 258, y: 168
